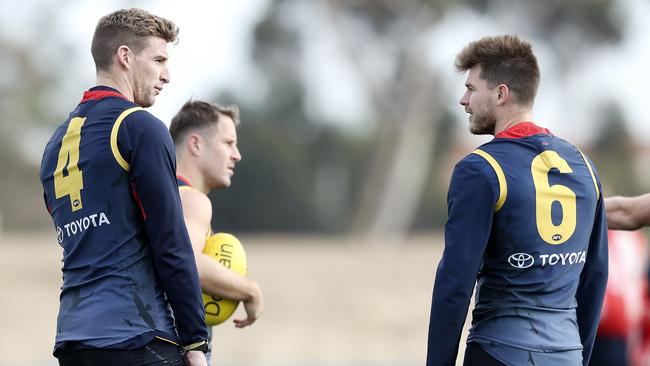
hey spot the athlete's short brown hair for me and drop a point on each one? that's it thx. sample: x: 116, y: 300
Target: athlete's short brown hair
x: 199, y: 116
x: 503, y: 60
x: 129, y: 27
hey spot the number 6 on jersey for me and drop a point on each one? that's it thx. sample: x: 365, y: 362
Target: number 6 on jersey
x: 547, y: 194
x: 72, y: 183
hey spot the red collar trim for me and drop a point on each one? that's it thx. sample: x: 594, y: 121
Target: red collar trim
x: 99, y: 94
x: 184, y: 180
x: 522, y: 129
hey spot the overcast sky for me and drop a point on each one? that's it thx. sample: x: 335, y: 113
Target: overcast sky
x: 568, y: 104
x: 216, y: 39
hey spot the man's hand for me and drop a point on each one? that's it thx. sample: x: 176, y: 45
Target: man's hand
x: 254, y: 306
x: 195, y: 358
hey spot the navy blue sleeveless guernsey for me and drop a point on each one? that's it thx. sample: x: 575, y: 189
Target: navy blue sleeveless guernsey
x: 108, y: 175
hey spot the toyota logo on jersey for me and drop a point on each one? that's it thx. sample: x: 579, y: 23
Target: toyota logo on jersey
x: 521, y: 260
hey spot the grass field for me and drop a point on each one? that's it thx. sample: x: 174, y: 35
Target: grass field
x: 328, y: 301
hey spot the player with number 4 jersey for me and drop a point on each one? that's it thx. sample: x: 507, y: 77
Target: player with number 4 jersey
x: 526, y: 225
x: 130, y: 293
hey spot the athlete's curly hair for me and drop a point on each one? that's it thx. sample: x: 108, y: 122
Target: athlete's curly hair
x: 129, y: 27
x: 503, y: 60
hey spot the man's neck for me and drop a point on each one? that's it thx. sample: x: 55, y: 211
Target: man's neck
x: 193, y: 175
x: 512, y: 119
x: 117, y: 83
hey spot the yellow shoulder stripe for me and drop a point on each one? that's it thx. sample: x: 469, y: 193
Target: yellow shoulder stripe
x: 591, y: 171
x: 184, y: 188
x: 503, y: 186
x: 116, y: 127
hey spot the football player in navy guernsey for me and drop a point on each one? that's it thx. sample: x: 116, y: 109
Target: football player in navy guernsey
x: 205, y: 137
x: 526, y: 225
x: 130, y: 293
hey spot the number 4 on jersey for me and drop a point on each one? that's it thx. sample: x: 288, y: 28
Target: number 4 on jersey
x: 72, y: 183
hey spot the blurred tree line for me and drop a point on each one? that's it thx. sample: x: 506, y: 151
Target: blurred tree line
x: 27, y: 88
x: 302, y: 173
x: 378, y: 183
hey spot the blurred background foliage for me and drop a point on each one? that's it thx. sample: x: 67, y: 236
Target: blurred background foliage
x: 380, y: 169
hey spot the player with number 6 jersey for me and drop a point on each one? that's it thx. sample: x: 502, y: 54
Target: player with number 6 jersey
x: 526, y: 225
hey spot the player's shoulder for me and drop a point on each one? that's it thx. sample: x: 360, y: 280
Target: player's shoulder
x: 110, y: 107
x: 570, y: 152
x: 122, y: 112
x: 141, y: 118
x: 482, y: 165
x: 196, y: 206
x: 508, y: 146
x: 474, y: 167
x: 562, y: 143
x: 139, y: 122
x: 194, y: 200
x: 483, y: 155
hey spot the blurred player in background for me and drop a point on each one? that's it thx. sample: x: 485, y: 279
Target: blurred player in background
x: 624, y: 333
x: 205, y: 138
x: 620, y: 338
x: 108, y: 175
x: 526, y: 220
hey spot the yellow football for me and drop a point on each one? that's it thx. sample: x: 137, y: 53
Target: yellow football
x: 227, y: 250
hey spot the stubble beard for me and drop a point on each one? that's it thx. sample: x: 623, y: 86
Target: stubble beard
x: 217, y: 182
x: 145, y: 102
x: 483, y: 124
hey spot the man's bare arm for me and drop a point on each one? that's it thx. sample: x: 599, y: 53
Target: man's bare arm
x: 628, y: 213
x: 216, y: 279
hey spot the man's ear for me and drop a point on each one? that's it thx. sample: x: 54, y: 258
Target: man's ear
x: 124, y: 56
x: 503, y: 94
x: 194, y: 144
